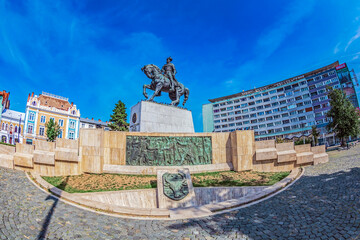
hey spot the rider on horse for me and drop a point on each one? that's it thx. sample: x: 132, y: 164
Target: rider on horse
x: 169, y: 70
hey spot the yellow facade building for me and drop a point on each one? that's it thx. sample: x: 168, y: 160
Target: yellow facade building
x: 40, y: 109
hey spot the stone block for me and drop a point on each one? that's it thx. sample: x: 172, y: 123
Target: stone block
x: 45, y: 146
x: 44, y: 157
x: 303, y: 148
x: 66, y: 154
x: 92, y: 164
x: 242, y: 149
x: 44, y: 169
x: 304, y: 154
x: 7, y: 161
x: 304, y: 157
x: 154, y: 117
x: 265, y: 144
x: 152, y: 170
x: 67, y: 168
x: 23, y: 160
x: 24, y: 148
x: 4, y: 149
x: 67, y: 143
x: 321, y: 158
x: 286, y: 152
x: 320, y: 155
x: 286, y: 156
x: 166, y: 202
x: 266, y: 154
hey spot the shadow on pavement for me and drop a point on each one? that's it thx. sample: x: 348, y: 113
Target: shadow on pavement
x: 47, y: 220
x: 315, y: 206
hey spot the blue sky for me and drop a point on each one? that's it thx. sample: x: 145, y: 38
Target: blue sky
x: 92, y: 51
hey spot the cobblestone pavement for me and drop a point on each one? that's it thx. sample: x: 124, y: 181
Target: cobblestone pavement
x: 323, y: 204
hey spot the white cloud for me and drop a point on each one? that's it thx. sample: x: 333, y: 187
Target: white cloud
x: 273, y: 38
x: 356, y: 36
x: 336, y: 49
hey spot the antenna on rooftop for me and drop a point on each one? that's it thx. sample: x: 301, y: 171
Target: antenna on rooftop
x: 54, y: 96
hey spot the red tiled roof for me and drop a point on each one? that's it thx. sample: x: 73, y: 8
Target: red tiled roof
x: 54, y: 102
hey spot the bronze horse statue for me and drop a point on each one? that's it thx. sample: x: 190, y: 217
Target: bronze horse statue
x: 161, y: 83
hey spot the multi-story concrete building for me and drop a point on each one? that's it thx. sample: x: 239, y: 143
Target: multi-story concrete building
x: 285, y: 109
x: 91, y: 123
x: 40, y: 109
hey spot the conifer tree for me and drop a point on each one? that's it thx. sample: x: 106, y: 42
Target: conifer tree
x: 118, y: 120
x: 52, y: 130
x: 344, y: 117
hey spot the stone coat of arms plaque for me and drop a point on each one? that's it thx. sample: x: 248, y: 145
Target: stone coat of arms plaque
x: 174, y: 188
x: 175, y: 185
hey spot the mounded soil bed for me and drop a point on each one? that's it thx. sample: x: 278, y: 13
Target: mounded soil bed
x: 115, y: 182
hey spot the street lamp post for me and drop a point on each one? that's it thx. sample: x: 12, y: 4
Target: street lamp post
x: 19, y: 128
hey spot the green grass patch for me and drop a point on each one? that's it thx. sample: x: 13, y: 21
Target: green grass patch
x: 116, y: 182
x: 7, y: 144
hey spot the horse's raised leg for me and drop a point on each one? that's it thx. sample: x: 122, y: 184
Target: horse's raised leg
x: 144, y: 90
x: 156, y: 92
x: 177, y: 99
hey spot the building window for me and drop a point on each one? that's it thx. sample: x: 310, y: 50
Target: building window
x: 72, y: 124
x: 61, y: 122
x: 52, y: 119
x: 60, y: 134
x: 6, y: 127
x: 272, y: 91
x: 71, y: 134
x: 41, y: 130
x: 30, y: 128
x: 3, y: 126
x: 43, y: 119
x: 31, y: 116
x: 16, y: 129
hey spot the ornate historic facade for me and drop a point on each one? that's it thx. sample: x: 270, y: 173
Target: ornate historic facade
x: 40, y: 109
x: 11, y: 122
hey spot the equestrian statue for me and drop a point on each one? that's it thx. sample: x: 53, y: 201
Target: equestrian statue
x: 164, y: 81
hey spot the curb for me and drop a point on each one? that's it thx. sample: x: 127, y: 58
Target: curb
x: 167, y: 214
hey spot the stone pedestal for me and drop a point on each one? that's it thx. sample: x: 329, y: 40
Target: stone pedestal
x: 166, y: 202
x: 155, y: 117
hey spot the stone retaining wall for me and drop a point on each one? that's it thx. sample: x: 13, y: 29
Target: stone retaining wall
x: 99, y: 151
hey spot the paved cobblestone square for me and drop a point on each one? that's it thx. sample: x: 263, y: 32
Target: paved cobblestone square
x: 323, y: 204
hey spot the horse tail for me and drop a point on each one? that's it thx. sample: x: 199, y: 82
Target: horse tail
x: 186, y: 95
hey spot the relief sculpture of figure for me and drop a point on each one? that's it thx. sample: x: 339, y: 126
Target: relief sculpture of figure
x: 168, y: 151
x: 164, y: 81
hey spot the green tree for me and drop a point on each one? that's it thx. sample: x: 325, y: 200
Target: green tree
x: 118, y: 120
x: 344, y: 119
x: 315, y: 133
x: 52, y: 130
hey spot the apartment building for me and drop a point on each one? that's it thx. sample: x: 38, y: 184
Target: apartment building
x: 285, y: 109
